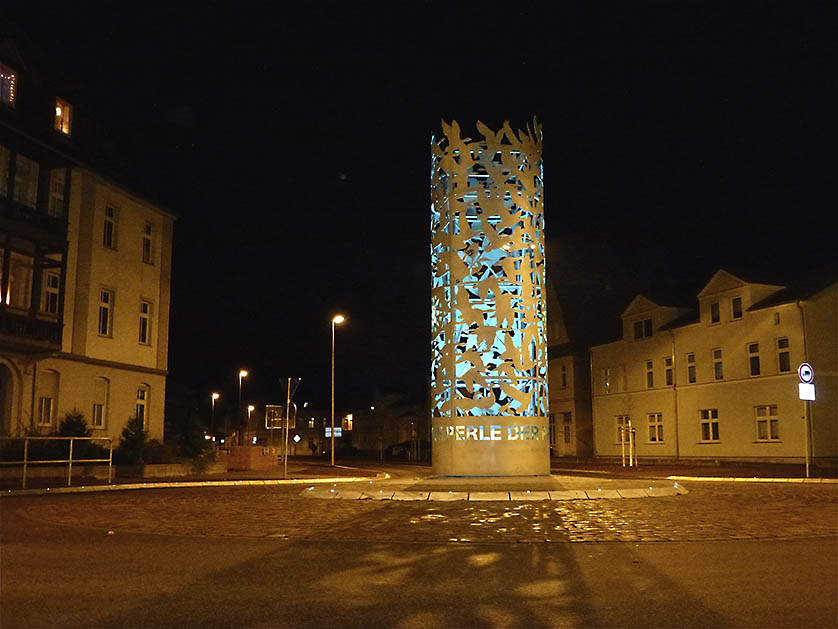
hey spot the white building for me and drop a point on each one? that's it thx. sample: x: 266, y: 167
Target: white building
x: 85, y: 270
x: 721, y: 384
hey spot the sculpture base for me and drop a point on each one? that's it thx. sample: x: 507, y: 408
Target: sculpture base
x: 490, y: 446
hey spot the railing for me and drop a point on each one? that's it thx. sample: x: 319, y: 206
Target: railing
x: 69, y: 460
x: 29, y: 327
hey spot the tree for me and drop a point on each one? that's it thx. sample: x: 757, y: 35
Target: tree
x: 134, y: 441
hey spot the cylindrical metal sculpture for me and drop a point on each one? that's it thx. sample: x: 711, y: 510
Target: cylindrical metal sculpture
x: 488, y: 314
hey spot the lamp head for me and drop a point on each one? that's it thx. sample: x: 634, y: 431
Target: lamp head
x: 242, y: 374
x: 215, y: 396
x: 338, y: 319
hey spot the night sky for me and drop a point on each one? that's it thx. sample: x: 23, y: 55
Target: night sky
x: 293, y: 144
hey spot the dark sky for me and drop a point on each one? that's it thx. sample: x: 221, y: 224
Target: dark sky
x: 293, y: 144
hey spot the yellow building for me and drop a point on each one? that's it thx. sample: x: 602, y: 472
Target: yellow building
x: 85, y: 270
x: 722, y: 383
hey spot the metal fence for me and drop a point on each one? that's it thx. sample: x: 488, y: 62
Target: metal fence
x: 27, y: 462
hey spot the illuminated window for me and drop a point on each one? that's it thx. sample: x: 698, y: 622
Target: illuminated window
x: 715, y: 316
x: 57, y: 186
x: 709, y: 424
x: 346, y: 423
x: 25, y: 190
x: 63, y: 116
x: 311, y: 423
x: 718, y: 371
x: 667, y: 365
x: 52, y: 282
x: 147, y: 244
x: 768, y: 423
x: 650, y: 374
x: 8, y: 85
x: 736, y: 308
x: 753, y: 358
x: 691, y: 368
x: 145, y: 323
x: 783, y: 358
x: 106, y: 312
x: 109, y: 233
x: 655, y: 427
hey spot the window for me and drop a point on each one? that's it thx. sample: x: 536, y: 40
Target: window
x: 709, y: 424
x: 109, y: 234
x: 736, y: 308
x: 691, y: 368
x: 768, y: 423
x: 552, y: 426
x: 52, y: 281
x: 45, y: 407
x: 623, y: 423
x: 142, y: 406
x: 5, y: 161
x: 564, y: 376
x: 650, y: 375
x: 106, y: 312
x: 57, y: 186
x: 655, y: 427
x: 145, y: 322
x: 783, y: 359
x: 346, y: 422
x: 101, y: 390
x: 567, y: 427
x: 311, y: 423
x: 718, y: 371
x: 63, y: 115
x: 606, y: 380
x: 715, y: 317
x: 25, y: 190
x: 642, y: 329
x: 667, y: 365
x: 8, y: 85
x: 753, y: 358
x: 147, y: 244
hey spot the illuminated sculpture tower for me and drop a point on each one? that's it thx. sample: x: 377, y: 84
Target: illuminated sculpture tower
x: 488, y: 313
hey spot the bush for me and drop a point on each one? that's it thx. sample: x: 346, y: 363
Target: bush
x: 133, y: 444
x: 73, y: 425
x: 156, y: 451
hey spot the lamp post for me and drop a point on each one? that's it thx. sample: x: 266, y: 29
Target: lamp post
x: 213, y: 398
x: 242, y: 374
x: 250, y: 409
x: 336, y: 319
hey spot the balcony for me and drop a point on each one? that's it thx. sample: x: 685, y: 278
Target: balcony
x: 28, y: 334
x: 33, y: 224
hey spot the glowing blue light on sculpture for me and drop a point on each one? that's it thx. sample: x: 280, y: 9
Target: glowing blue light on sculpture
x: 488, y: 318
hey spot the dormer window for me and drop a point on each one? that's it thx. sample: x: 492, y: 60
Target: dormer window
x: 63, y: 116
x: 642, y: 329
x: 736, y: 308
x: 8, y: 84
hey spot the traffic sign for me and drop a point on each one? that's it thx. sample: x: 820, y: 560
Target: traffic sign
x: 805, y: 373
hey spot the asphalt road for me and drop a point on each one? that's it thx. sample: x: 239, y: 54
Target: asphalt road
x: 319, y: 563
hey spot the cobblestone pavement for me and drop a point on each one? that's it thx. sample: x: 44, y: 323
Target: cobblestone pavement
x: 708, y: 512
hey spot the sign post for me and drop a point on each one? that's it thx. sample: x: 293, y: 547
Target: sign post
x: 806, y: 392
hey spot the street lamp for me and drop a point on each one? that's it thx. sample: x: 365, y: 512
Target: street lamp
x: 250, y: 409
x: 213, y: 398
x: 337, y: 319
x: 242, y: 374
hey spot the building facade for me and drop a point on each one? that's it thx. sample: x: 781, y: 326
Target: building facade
x: 85, y: 270
x: 721, y: 384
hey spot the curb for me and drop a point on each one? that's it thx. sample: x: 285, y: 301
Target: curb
x: 734, y: 479
x: 177, y: 485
